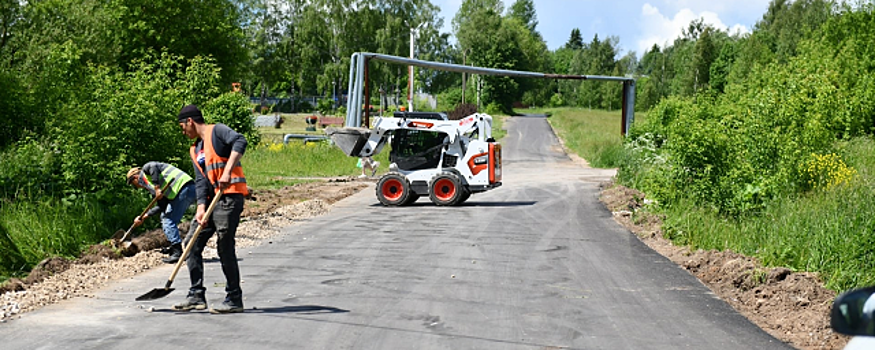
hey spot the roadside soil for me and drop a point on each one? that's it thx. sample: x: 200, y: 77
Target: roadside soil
x: 791, y: 306
x: 265, y: 214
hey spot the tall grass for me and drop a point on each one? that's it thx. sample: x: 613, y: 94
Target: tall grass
x: 829, y: 231
x: 498, y: 131
x: 34, y: 229
x: 594, y: 135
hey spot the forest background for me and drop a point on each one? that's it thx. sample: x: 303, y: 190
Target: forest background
x: 740, y: 130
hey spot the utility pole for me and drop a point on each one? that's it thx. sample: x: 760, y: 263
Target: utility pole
x: 413, y: 33
x: 464, y: 58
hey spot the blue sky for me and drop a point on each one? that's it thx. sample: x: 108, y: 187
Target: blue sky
x: 638, y: 24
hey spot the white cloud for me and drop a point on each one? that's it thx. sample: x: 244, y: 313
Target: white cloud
x: 658, y: 29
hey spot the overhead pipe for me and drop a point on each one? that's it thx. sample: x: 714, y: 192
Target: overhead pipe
x: 359, y: 65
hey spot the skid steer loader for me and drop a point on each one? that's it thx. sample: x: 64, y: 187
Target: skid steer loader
x: 447, y: 160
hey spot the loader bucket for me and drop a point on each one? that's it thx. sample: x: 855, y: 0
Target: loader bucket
x: 350, y: 140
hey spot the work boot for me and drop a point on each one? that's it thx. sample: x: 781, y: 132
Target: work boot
x: 230, y: 305
x: 194, y: 301
x: 175, y: 254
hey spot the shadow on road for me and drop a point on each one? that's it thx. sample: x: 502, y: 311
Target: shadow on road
x: 299, y: 309
x: 517, y: 115
x: 468, y: 204
x: 499, y: 204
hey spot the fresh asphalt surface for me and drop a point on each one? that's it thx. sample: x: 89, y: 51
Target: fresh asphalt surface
x: 535, y: 264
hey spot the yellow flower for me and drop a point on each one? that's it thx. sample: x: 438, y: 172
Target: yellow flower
x: 827, y: 171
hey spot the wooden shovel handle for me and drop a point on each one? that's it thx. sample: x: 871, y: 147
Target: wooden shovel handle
x: 194, y: 238
x: 154, y: 200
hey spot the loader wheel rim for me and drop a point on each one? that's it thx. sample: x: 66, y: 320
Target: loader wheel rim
x: 392, y: 189
x: 444, y: 189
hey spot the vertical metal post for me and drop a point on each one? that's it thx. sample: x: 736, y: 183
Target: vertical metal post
x: 367, y: 122
x: 350, y: 92
x: 464, y: 58
x: 410, y: 74
x: 628, y: 105
x: 623, y: 130
x: 360, y: 79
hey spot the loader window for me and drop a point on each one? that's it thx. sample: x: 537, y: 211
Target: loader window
x: 415, y: 149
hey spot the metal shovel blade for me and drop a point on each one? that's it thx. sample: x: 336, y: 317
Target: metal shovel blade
x: 117, y: 236
x: 350, y: 140
x: 116, y: 239
x: 154, y: 294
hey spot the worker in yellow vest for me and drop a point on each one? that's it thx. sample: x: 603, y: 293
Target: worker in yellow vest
x: 216, y: 154
x: 172, y: 205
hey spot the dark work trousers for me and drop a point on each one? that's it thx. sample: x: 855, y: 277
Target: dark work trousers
x: 224, y: 221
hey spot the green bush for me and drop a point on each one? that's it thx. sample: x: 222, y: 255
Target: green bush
x: 29, y: 169
x: 128, y: 120
x: 556, y: 100
x: 448, y: 99
x: 232, y: 109
x: 325, y: 106
x: 737, y: 150
x: 494, y: 109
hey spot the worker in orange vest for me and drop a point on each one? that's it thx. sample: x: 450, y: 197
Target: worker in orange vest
x: 216, y: 155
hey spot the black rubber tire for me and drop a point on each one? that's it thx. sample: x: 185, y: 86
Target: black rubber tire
x: 445, y: 189
x: 393, y: 189
x: 465, y: 195
x: 412, y: 198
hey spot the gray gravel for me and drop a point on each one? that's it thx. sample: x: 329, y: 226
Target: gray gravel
x: 82, y: 280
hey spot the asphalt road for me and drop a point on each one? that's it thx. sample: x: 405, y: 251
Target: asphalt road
x: 535, y: 264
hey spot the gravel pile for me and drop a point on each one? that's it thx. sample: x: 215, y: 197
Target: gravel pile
x: 81, y: 280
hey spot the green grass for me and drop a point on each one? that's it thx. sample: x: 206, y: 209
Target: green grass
x: 498, y: 131
x: 293, y: 124
x: 34, y: 229
x: 594, y: 135
x: 831, y: 232
x: 277, y: 165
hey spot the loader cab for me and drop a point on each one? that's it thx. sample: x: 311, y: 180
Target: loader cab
x: 416, y: 149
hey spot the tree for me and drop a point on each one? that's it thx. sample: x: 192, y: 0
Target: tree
x: 575, y: 42
x: 703, y: 56
x: 722, y: 65
x: 183, y: 27
x: 10, y: 14
x: 524, y: 10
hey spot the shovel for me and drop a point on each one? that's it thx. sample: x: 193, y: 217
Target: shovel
x: 159, y: 293
x: 120, y: 236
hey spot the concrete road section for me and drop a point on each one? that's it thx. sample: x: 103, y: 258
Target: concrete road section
x: 535, y: 264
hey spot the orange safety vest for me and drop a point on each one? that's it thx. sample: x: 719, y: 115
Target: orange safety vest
x: 215, y: 166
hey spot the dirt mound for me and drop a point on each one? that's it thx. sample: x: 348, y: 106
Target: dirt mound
x: 791, y: 306
x: 43, y: 270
